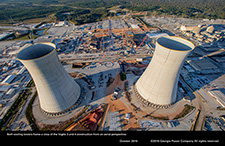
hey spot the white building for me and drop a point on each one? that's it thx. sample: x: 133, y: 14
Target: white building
x: 187, y: 28
x: 135, y: 26
x: 60, y: 24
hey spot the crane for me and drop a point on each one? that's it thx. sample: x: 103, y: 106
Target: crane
x: 101, y: 38
x: 102, y: 57
x: 111, y: 44
x: 125, y: 40
x: 142, y: 42
x: 75, y: 50
x: 83, y: 42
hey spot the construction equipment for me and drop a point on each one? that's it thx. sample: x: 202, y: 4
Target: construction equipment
x: 102, y: 57
x: 142, y: 42
x: 111, y: 44
x: 100, y: 35
x: 76, y: 50
x: 125, y: 40
x: 83, y: 42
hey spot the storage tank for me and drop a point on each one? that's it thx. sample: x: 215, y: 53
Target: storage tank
x: 158, y: 84
x: 57, y: 91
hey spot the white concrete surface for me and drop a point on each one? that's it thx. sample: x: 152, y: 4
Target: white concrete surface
x: 57, y: 91
x: 158, y: 84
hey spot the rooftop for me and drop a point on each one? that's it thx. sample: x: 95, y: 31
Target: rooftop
x: 203, y: 64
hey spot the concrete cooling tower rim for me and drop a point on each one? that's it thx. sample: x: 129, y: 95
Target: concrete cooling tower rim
x: 36, y: 51
x: 175, y: 43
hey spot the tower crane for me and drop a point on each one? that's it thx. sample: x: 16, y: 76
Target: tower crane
x: 111, y: 44
x: 125, y: 40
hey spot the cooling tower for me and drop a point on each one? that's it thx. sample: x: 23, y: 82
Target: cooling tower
x: 157, y: 86
x: 57, y: 91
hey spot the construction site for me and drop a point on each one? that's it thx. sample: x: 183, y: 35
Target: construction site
x: 106, y: 59
x: 109, y: 103
x: 109, y: 40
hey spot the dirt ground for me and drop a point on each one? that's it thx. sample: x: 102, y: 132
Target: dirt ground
x: 125, y: 107
x: 118, y: 105
x: 116, y: 83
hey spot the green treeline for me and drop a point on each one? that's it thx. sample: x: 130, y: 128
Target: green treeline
x: 81, y: 16
x: 83, y: 11
x: 10, y: 13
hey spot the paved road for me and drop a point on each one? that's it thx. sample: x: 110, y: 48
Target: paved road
x: 20, y: 116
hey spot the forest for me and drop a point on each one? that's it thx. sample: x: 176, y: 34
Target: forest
x: 84, y: 11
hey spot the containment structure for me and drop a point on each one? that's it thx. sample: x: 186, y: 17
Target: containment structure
x: 157, y: 86
x: 57, y: 91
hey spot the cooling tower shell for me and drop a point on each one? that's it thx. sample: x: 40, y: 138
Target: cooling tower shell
x: 57, y: 91
x: 158, y: 84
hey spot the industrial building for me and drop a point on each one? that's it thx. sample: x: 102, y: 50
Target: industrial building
x: 187, y: 28
x: 57, y: 91
x: 8, y: 79
x: 157, y: 86
x: 204, y: 66
x: 219, y: 95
